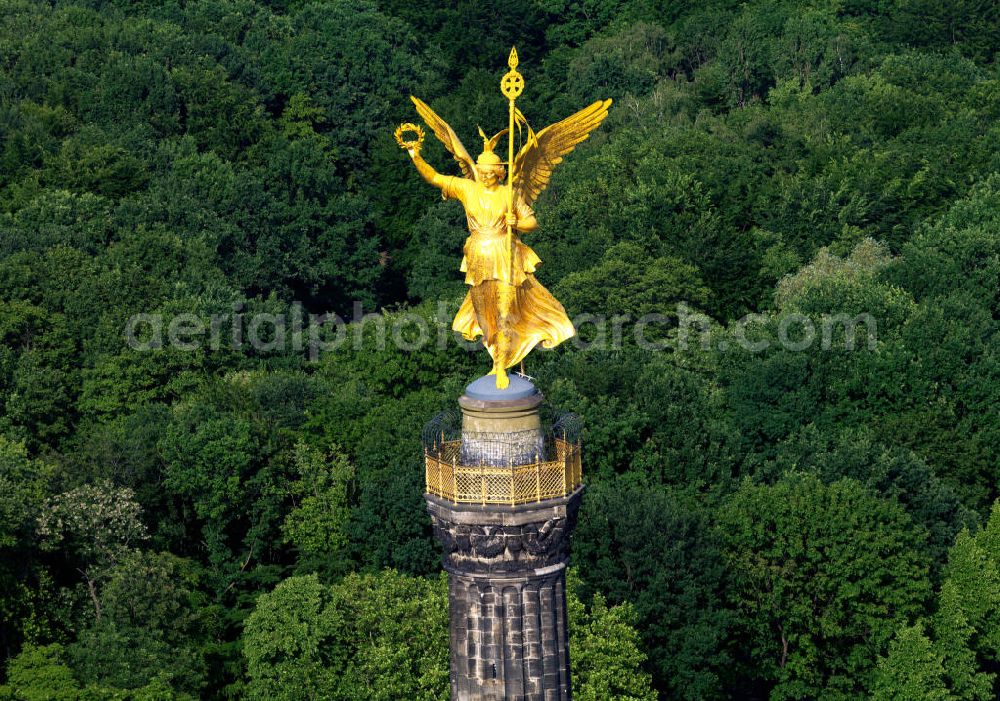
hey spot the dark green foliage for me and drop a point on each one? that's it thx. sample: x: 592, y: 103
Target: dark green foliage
x: 148, y: 628
x: 41, y: 673
x: 675, y: 580
x: 912, y: 670
x: 378, y: 637
x: 822, y: 577
x: 226, y: 158
x: 963, y: 629
x: 384, y: 636
x: 892, y: 472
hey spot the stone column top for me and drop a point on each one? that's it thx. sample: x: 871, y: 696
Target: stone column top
x: 522, y: 403
x: 485, y: 389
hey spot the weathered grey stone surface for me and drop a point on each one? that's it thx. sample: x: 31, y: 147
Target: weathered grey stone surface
x: 507, y: 597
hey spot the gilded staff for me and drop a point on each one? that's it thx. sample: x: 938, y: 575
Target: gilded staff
x: 511, y: 85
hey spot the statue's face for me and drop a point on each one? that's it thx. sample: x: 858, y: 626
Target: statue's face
x: 490, y: 175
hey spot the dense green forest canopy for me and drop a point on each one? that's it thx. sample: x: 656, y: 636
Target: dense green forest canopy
x: 798, y: 521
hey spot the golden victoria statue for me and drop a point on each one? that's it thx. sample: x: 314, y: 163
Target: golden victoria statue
x: 505, y: 304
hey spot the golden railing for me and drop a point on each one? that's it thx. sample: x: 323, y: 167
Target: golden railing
x: 449, y: 479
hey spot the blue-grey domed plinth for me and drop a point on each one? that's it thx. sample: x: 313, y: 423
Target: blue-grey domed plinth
x: 485, y: 389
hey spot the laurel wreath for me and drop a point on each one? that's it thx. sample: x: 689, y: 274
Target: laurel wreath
x: 413, y: 143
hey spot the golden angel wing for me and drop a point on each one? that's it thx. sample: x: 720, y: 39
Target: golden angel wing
x: 447, y: 136
x: 537, y: 159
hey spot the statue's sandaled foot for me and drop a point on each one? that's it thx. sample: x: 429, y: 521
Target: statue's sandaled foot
x: 492, y: 372
x: 502, y: 380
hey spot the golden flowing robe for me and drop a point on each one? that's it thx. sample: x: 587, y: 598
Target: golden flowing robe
x: 505, y: 304
x: 533, y: 316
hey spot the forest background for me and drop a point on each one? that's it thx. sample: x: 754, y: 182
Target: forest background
x: 239, y: 522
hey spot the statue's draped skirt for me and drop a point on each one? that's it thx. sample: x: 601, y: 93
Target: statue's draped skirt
x: 503, y: 292
x: 533, y: 315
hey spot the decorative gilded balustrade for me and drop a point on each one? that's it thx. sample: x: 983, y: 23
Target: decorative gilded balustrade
x: 557, y: 476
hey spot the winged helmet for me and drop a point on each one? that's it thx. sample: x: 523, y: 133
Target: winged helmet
x: 539, y: 155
